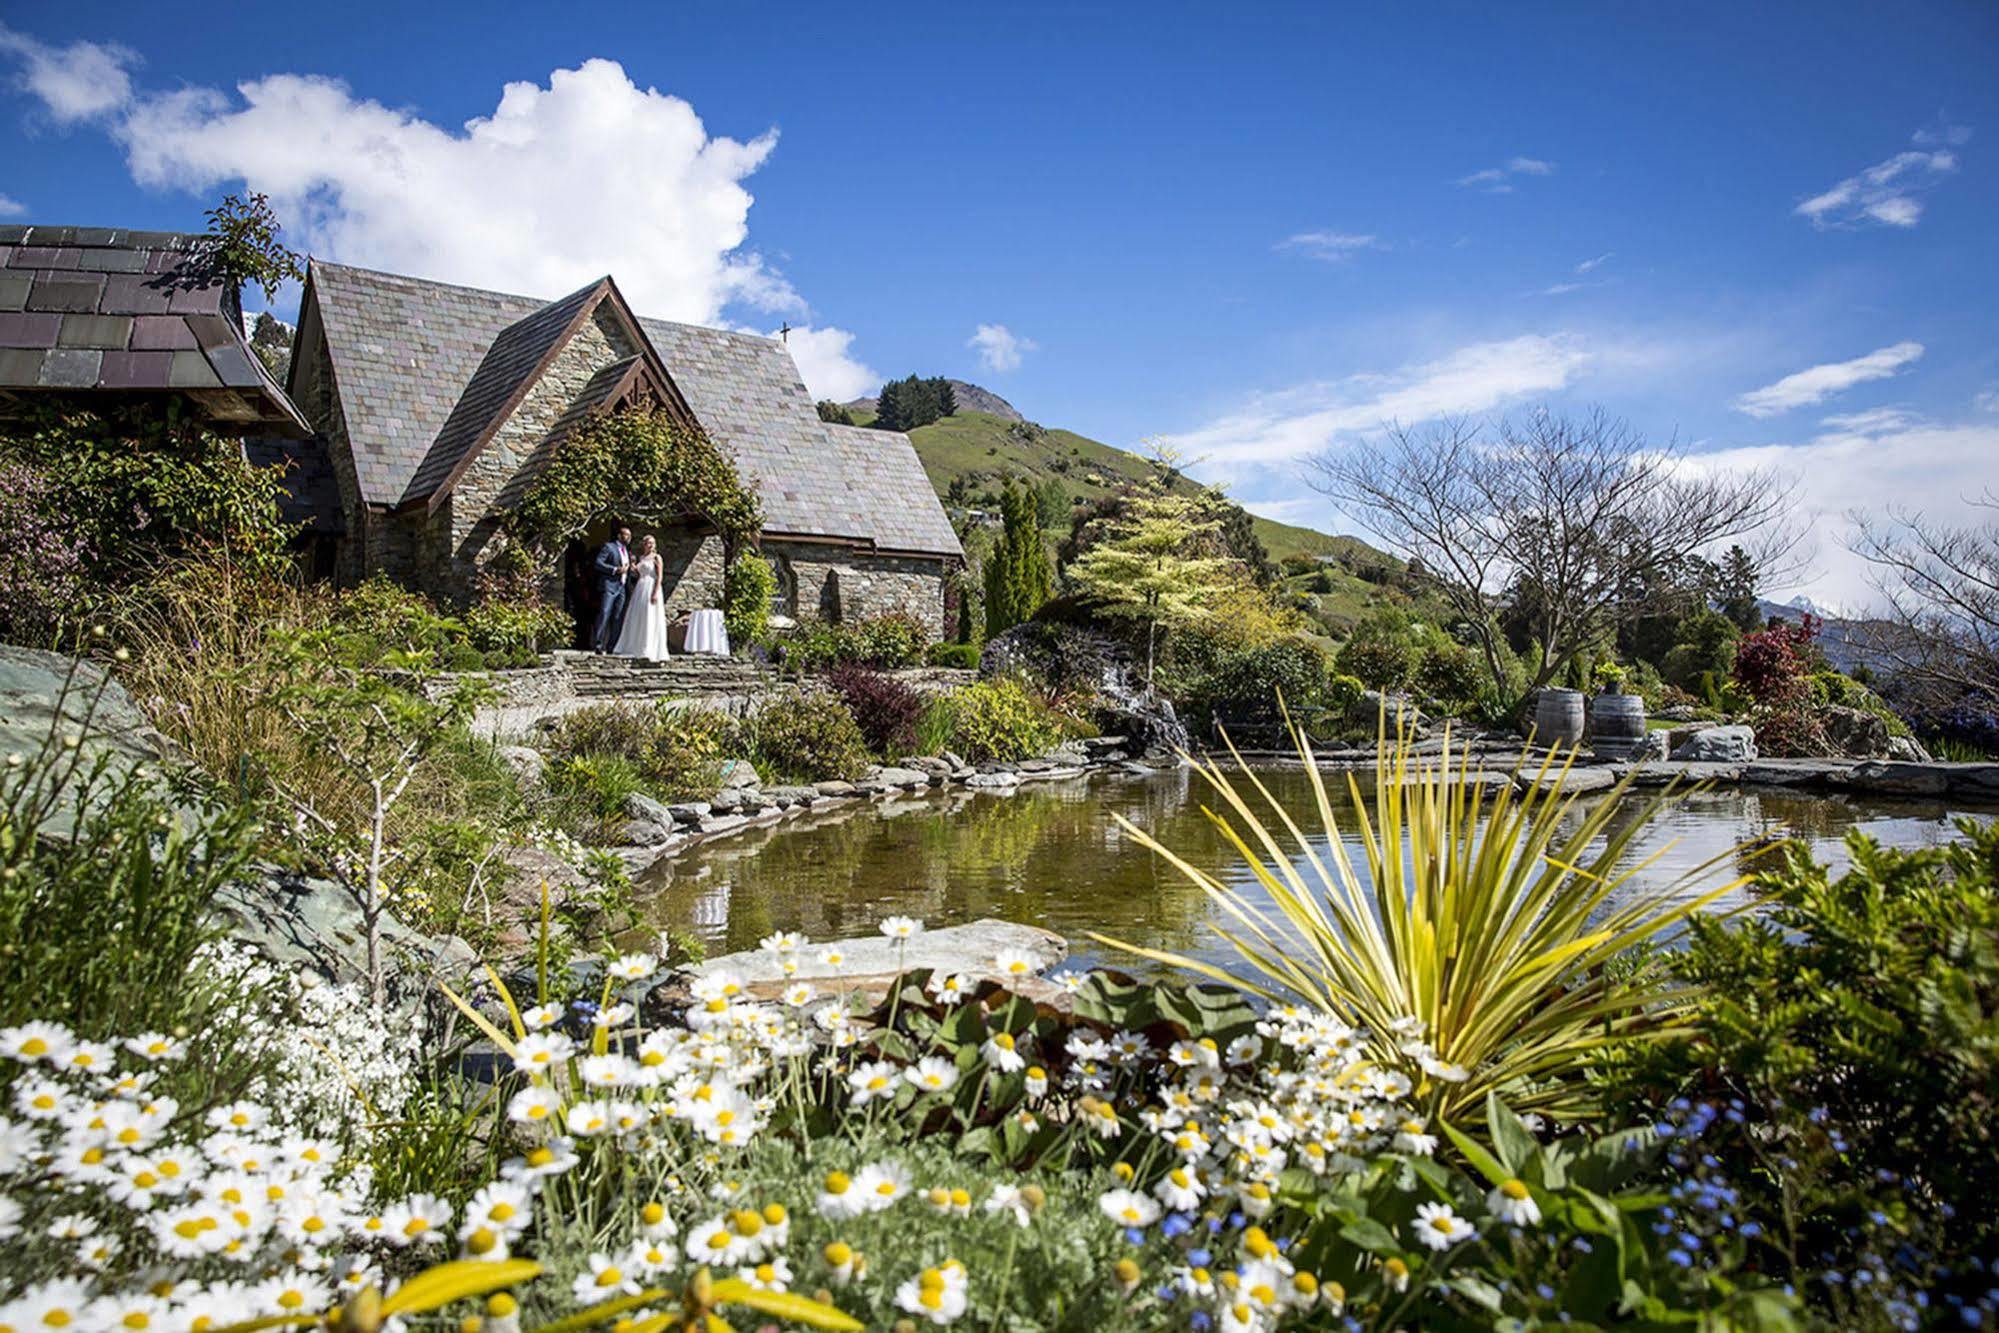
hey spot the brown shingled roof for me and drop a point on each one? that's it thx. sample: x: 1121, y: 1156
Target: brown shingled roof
x: 98, y: 308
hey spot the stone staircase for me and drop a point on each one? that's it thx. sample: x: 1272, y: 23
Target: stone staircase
x: 595, y: 677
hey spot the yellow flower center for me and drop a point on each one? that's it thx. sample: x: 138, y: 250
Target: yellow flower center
x: 1514, y: 1189
x: 610, y: 1277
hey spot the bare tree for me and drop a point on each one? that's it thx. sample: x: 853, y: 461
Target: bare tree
x: 1579, y: 510
x: 1941, y: 587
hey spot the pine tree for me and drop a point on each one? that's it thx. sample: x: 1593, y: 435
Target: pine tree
x: 1735, y: 590
x: 1017, y: 575
x: 947, y: 398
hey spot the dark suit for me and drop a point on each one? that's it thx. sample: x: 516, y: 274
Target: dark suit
x: 611, y: 562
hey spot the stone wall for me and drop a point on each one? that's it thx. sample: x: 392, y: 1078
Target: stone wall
x: 458, y: 539
x: 838, y: 583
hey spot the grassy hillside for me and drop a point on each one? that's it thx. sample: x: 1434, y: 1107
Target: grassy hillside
x: 984, y: 450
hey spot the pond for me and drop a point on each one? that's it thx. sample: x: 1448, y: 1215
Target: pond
x: 1050, y: 856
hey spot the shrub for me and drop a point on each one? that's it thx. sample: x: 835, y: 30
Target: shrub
x: 1775, y: 665
x: 599, y: 782
x: 1705, y: 642
x: 102, y: 926
x: 936, y: 726
x: 747, y: 588
x: 1001, y: 719
x: 626, y: 730
x: 1248, y: 682
x: 891, y: 640
x: 806, y: 736
x: 958, y: 656
x: 1449, y: 676
x: 1342, y: 693
x: 1849, y: 1031
x: 43, y: 560
x: 515, y: 634
x: 884, y: 708
x: 382, y: 613
x: 1379, y: 661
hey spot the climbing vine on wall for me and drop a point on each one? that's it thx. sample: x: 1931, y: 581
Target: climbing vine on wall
x: 635, y: 464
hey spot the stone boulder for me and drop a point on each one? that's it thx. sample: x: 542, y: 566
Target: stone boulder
x: 1735, y: 744
x: 971, y: 949
x: 42, y: 693
x: 1909, y: 750
x: 527, y: 763
x: 1650, y: 747
x: 739, y: 773
x: 1077, y: 656
x: 1855, y: 733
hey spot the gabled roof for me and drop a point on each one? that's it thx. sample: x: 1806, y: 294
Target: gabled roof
x: 97, y: 308
x: 406, y: 353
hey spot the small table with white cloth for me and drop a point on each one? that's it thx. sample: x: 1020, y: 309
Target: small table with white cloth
x: 706, y: 633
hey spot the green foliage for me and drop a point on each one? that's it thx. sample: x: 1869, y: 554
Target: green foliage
x: 1377, y: 658
x: 599, y: 781
x: 747, y: 588
x: 379, y: 617
x: 1150, y: 567
x: 1001, y: 718
x: 245, y: 245
x: 1704, y: 643
x: 140, y: 486
x: 907, y: 404
x: 1734, y: 590
x: 837, y: 414
x: 101, y: 921
x: 505, y: 634
x: 1247, y: 683
x: 674, y: 751
x: 1450, y: 677
x: 1051, y: 504
x: 1343, y: 692
x: 1017, y: 577
x: 959, y: 656
x: 1531, y: 890
x: 1852, y: 1029
x: 634, y: 464
x: 887, y: 642
x: 805, y: 736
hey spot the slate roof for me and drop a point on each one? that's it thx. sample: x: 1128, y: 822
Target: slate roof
x: 101, y: 308
x: 407, y: 351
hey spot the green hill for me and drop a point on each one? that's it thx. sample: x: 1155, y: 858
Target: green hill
x: 969, y: 455
x: 980, y: 452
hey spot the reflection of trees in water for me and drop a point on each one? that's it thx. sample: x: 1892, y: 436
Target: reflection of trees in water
x: 1051, y: 856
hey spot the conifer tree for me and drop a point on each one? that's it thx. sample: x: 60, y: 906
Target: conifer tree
x: 1017, y: 575
x: 1148, y: 568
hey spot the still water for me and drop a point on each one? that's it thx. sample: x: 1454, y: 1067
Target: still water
x: 1051, y: 856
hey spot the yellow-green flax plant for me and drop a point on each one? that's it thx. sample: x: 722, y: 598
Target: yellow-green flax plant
x: 1485, y: 942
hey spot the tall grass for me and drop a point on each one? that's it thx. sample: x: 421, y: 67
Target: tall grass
x: 1502, y: 924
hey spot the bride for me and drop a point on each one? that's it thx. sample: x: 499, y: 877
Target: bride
x: 644, y: 633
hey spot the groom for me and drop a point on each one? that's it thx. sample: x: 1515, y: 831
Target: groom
x: 614, y: 567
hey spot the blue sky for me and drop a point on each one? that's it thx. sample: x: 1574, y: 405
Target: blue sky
x: 1766, y: 229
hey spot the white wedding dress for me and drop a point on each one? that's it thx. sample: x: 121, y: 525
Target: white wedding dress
x: 644, y: 632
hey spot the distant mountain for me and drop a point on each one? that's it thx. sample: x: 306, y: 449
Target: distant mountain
x: 1845, y: 643
x: 971, y: 398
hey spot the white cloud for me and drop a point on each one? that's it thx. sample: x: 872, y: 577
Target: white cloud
x: 1885, y: 193
x: 1564, y: 288
x: 559, y: 185
x: 1987, y: 400
x: 1278, y: 427
x: 1499, y: 179
x: 10, y: 207
x: 1588, y: 264
x: 78, y: 82
x: 1330, y: 246
x: 826, y: 364
x: 1862, y: 465
x: 1817, y: 383
x: 1000, y: 348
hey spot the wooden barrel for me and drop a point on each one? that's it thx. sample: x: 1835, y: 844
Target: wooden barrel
x: 1616, y: 724
x: 1558, y: 717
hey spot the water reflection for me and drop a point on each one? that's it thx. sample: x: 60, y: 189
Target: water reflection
x: 1050, y: 855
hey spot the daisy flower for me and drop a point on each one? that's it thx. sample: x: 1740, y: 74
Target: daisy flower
x: 1128, y: 1208
x: 1511, y: 1201
x: 879, y: 1185
x: 604, y: 1280
x: 933, y: 1073
x: 1439, y: 1228
x: 874, y: 1079
x: 901, y: 927
x: 1014, y: 963
x: 541, y: 1017
x: 1002, y: 1053
x: 634, y: 966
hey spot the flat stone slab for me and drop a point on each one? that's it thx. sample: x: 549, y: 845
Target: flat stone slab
x: 1571, y: 782
x: 970, y: 949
